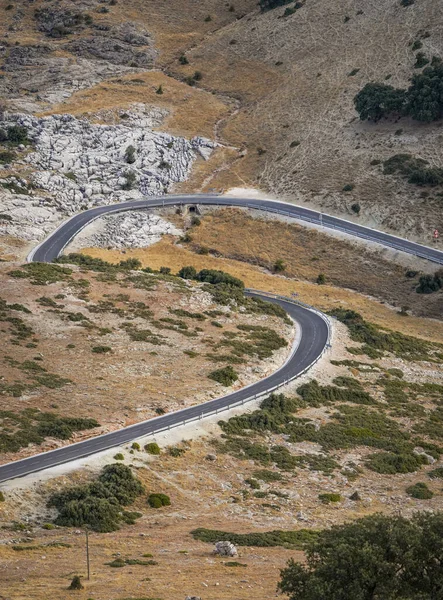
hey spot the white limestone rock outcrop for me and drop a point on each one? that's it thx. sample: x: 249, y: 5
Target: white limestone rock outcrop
x: 135, y: 229
x: 225, y: 548
x: 77, y: 165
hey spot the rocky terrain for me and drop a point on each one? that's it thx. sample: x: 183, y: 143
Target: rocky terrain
x: 135, y: 229
x: 80, y: 165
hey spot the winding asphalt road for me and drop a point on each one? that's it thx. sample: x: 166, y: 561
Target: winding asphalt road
x: 313, y: 327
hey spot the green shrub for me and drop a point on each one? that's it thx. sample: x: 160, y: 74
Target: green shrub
x: 377, y: 340
x: 327, y: 498
x: 225, y: 376
x: 101, y: 349
x: 234, y: 563
x: 321, y: 279
x: 17, y: 135
x: 176, y: 452
x: 187, y: 273
x: 253, y: 483
x: 419, y: 491
x: 158, y: 500
x: 390, y: 463
x: 98, y: 504
x: 296, y: 540
x: 135, y: 446
x: 119, y: 456
x: 436, y: 473
x: 76, y: 583
x: 430, y: 283
x: 267, y: 476
x: 279, y: 266
x: 2, y: 497
x: 7, y: 157
x: 152, y: 448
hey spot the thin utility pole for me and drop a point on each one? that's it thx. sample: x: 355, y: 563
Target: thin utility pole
x: 87, y: 549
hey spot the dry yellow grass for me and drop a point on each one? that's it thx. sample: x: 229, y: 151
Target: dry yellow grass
x: 193, y: 111
x: 167, y: 253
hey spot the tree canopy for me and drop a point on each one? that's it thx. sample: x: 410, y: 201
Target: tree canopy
x: 375, y: 558
x: 423, y: 100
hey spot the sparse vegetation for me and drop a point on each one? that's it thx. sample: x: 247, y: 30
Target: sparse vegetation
x: 30, y: 426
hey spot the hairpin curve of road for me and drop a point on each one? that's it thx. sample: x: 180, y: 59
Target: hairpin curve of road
x: 314, y: 330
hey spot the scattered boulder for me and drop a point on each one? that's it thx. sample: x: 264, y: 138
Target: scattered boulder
x: 225, y: 548
x: 211, y: 457
x: 421, y: 452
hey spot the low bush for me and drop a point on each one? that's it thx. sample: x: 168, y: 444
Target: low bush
x: 390, y: 463
x: 176, y: 452
x: 76, y: 583
x: 436, y: 473
x: 267, y: 476
x: 377, y: 340
x: 153, y: 448
x: 119, y: 456
x: 327, y: 498
x: 158, y: 500
x: 253, y: 483
x: 295, y: 540
x: 225, y: 376
x: 101, y: 349
x: 420, y: 491
x: 430, y: 283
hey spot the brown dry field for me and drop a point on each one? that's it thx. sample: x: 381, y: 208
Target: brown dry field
x: 201, y: 493
x: 192, y: 111
x: 325, y: 297
x: 306, y: 253
x: 126, y: 385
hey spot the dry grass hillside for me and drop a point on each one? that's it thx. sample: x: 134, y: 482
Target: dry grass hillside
x: 277, y: 88
x: 296, y: 77
x: 115, y: 347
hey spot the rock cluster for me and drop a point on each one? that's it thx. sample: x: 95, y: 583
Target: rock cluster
x: 136, y: 229
x: 225, y: 549
x: 81, y: 165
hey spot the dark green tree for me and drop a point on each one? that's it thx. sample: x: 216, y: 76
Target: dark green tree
x: 187, y: 272
x: 270, y: 4
x: 377, y: 100
x: 76, y: 583
x: 374, y: 558
x: 425, y: 95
